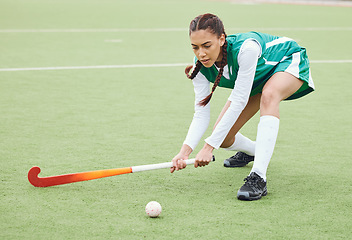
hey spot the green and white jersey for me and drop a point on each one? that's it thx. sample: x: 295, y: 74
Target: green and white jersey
x: 278, y: 54
x: 252, y: 59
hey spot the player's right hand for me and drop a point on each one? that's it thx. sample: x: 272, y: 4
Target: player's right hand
x: 178, y: 163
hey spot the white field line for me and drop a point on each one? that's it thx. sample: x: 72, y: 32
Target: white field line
x: 132, y: 66
x: 94, y: 67
x: 331, y: 61
x: 335, y: 3
x: 169, y: 29
x: 94, y: 30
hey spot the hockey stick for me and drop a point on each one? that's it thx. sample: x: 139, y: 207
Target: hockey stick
x: 85, y: 176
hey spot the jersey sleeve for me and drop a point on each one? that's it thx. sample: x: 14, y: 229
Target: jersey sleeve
x: 247, y: 60
x: 201, y: 117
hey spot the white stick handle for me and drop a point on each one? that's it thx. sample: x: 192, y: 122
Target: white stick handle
x: 160, y: 165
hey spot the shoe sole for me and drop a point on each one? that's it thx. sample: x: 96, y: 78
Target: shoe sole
x: 245, y: 196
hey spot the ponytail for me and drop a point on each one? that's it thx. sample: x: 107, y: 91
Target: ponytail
x: 195, y: 71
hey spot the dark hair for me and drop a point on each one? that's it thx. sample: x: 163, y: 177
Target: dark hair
x: 212, y: 23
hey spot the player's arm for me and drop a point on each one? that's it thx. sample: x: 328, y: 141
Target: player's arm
x: 199, y: 124
x: 247, y: 60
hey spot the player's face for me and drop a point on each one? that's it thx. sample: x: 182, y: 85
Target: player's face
x: 207, y: 46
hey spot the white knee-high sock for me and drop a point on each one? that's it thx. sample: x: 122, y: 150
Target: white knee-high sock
x: 268, y: 129
x: 242, y: 144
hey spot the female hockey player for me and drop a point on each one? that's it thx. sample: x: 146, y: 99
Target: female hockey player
x: 262, y: 70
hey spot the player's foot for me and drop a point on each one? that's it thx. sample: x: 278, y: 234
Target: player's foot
x: 253, y: 189
x: 239, y: 160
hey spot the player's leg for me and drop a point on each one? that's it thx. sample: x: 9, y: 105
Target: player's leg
x: 279, y: 87
x: 235, y: 141
x: 248, y: 112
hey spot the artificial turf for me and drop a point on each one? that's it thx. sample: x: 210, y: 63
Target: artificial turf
x: 89, y: 119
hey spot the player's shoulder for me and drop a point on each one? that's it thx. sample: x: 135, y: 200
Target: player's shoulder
x: 237, y: 40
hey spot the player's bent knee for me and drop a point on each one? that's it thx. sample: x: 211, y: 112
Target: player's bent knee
x: 269, y: 97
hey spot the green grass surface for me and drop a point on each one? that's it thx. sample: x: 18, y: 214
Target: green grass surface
x: 80, y: 120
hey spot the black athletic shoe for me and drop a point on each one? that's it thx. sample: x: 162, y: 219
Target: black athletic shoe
x: 253, y: 189
x: 239, y: 160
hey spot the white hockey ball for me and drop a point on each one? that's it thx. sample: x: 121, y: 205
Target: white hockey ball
x: 153, y: 209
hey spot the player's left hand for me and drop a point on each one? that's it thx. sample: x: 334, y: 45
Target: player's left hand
x: 204, y: 157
